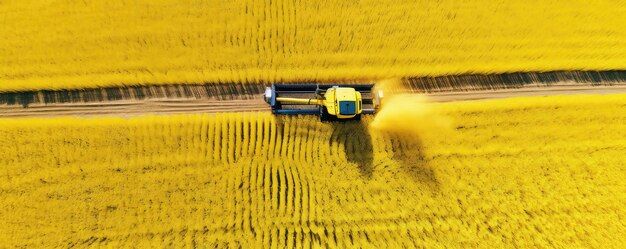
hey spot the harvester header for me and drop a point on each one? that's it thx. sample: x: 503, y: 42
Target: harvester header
x: 329, y: 101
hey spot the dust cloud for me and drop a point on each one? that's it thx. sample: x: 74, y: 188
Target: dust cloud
x: 408, y: 115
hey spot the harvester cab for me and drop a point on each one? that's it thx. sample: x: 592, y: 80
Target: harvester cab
x: 330, y: 102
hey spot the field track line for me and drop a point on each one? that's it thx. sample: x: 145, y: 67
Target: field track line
x: 129, y: 108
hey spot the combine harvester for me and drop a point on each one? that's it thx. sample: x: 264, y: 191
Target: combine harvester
x: 330, y: 101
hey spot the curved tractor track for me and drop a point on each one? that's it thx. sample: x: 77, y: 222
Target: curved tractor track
x: 164, y: 106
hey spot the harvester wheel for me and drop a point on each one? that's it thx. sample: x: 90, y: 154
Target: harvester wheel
x: 357, y: 117
x: 324, y: 115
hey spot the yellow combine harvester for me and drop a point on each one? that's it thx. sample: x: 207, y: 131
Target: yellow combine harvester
x: 331, y: 101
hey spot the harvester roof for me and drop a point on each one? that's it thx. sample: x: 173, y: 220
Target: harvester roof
x: 345, y: 94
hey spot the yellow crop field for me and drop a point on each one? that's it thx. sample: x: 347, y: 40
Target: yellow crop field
x: 76, y: 44
x: 524, y: 172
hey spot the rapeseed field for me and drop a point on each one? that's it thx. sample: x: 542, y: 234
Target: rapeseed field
x: 68, y: 44
x: 523, y: 172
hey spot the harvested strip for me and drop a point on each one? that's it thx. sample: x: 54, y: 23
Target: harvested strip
x: 218, y: 91
x: 126, y: 108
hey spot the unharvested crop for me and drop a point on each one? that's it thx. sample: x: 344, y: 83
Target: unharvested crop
x: 78, y: 44
x: 530, y: 172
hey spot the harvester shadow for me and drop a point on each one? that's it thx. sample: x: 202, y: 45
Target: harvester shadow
x: 409, y: 153
x: 356, y: 141
x: 357, y: 144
